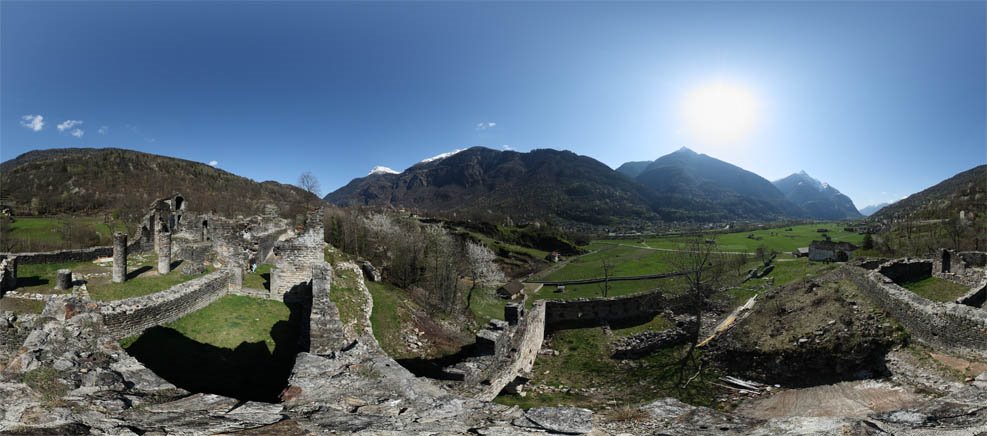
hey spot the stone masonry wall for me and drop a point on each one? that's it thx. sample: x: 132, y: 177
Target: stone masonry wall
x: 520, y: 358
x: 949, y: 326
x: 132, y: 316
x: 81, y: 255
x: 589, y: 312
x: 325, y: 329
x: 901, y: 271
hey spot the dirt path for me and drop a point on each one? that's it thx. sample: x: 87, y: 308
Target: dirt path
x: 857, y: 399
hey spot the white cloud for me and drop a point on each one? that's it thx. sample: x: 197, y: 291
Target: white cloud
x: 68, y: 124
x: 507, y: 147
x: 33, y: 122
x: 77, y: 133
x: 213, y: 163
x: 485, y: 125
x: 103, y: 130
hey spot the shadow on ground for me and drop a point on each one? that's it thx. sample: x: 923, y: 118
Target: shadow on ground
x: 249, y: 372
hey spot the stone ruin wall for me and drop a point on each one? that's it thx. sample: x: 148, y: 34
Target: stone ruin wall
x: 950, y: 326
x: 518, y: 357
x: 132, y: 316
x: 963, y: 267
x: 566, y: 314
x: 901, y: 271
x: 297, y: 257
x: 325, y: 330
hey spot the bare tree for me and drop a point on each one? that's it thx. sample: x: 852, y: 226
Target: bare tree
x: 607, y: 267
x: 481, y: 267
x: 308, y: 182
x: 703, y: 268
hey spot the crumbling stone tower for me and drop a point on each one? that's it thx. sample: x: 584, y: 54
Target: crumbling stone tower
x: 119, y: 257
x: 298, y: 256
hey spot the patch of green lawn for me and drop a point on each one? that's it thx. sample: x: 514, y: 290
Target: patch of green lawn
x: 936, y: 289
x: 234, y: 319
x: 260, y: 278
x: 40, y: 277
x: 145, y: 284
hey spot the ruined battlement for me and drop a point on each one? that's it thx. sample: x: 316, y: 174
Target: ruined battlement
x: 132, y: 316
x: 950, y: 326
x: 297, y: 257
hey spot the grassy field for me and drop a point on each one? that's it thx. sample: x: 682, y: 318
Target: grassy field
x: 60, y: 233
x: 40, y: 278
x: 234, y: 319
x: 583, y: 374
x: 142, y: 278
x: 627, y: 261
x: 936, y: 289
x: 259, y: 279
x: 779, y: 239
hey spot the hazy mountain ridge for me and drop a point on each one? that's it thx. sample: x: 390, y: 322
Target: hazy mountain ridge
x: 102, y: 180
x: 872, y: 209
x: 819, y: 200
x: 965, y: 192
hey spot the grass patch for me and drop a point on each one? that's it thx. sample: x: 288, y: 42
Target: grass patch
x: 658, y: 323
x: 40, y: 277
x: 583, y: 375
x: 259, y: 278
x: 234, y: 319
x: 21, y: 305
x: 936, y: 289
x: 390, y: 313
x: 486, y: 305
x: 45, y: 380
x: 349, y: 299
x: 140, y: 286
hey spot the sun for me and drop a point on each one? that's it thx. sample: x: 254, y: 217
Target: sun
x: 720, y: 113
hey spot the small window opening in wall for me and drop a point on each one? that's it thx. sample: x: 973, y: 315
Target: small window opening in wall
x: 179, y: 203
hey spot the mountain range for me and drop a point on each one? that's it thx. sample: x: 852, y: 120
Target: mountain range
x: 817, y: 199
x: 681, y: 186
x: 484, y: 183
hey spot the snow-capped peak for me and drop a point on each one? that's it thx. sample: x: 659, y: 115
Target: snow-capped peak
x: 381, y: 170
x: 442, y: 156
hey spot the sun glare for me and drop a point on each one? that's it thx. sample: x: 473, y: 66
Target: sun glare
x: 720, y: 113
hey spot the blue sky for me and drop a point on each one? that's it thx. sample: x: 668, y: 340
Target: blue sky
x: 879, y: 99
